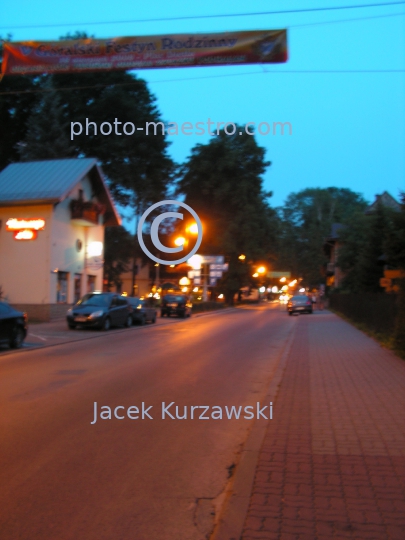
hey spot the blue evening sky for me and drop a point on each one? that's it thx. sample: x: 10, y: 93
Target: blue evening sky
x: 348, y: 128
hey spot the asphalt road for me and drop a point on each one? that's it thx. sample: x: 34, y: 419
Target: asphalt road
x: 63, y: 478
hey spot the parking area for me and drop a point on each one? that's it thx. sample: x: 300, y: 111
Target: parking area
x: 57, y: 332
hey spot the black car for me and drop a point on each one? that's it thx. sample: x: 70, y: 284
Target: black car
x: 176, y: 304
x: 100, y: 310
x: 299, y: 304
x: 13, y: 326
x: 144, y: 310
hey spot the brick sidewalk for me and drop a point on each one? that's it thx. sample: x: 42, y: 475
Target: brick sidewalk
x: 332, y: 465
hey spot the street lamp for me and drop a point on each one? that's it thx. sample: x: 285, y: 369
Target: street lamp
x: 193, y: 229
x: 261, y: 269
x: 179, y: 241
x: 255, y: 274
x: 242, y: 257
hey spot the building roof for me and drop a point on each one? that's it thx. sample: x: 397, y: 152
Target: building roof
x: 51, y: 181
x: 385, y: 199
x: 336, y: 227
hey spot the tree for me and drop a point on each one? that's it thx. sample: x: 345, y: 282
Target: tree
x: 372, y: 257
x: 395, y: 249
x: 351, y: 239
x: 222, y: 182
x: 138, y: 165
x: 306, y: 220
x: 47, y: 129
x: 118, y: 252
x: 18, y: 98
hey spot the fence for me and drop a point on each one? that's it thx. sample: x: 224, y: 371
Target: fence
x: 375, y: 310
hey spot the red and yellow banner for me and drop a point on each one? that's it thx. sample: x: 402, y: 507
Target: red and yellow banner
x: 145, y: 52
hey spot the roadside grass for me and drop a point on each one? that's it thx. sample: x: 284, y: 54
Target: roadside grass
x: 385, y: 340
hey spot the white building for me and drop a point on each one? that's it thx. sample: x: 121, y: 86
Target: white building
x: 52, y: 219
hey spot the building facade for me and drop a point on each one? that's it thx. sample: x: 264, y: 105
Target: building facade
x: 52, y: 219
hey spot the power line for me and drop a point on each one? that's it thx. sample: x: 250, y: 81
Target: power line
x: 297, y: 71
x: 198, y: 17
x: 351, y: 19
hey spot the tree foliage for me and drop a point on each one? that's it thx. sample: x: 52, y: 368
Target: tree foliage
x: 47, y: 129
x: 222, y: 182
x: 395, y: 249
x: 363, y: 252
x: 118, y: 252
x: 306, y: 221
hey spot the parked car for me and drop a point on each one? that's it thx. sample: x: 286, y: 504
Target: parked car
x: 299, y: 304
x: 13, y: 326
x: 176, y: 304
x: 100, y: 310
x: 143, y: 310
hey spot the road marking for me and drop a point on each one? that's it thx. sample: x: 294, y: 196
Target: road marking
x: 39, y: 337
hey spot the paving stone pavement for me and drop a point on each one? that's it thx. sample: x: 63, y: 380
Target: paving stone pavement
x: 332, y: 465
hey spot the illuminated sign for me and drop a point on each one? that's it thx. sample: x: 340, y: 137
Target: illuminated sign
x: 25, y: 234
x: 32, y: 224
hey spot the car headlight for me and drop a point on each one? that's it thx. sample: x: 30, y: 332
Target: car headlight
x: 139, y: 307
x: 69, y: 311
x: 96, y: 314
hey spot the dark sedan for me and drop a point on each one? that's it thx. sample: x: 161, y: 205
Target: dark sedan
x: 299, y: 304
x: 13, y: 326
x: 100, y: 310
x: 176, y: 304
x: 144, y: 310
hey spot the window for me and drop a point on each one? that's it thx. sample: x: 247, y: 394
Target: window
x: 62, y: 287
x: 91, y: 284
x: 101, y: 300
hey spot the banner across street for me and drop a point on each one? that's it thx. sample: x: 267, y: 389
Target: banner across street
x: 145, y: 52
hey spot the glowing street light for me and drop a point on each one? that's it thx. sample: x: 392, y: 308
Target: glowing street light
x: 283, y: 279
x: 261, y: 269
x: 193, y: 229
x: 242, y: 257
x: 195, y: 262
x: 255, y: 274
x: 180, y: 241
x: 294, y: 282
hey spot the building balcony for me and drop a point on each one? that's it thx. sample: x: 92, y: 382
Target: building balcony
x: 85, y: 214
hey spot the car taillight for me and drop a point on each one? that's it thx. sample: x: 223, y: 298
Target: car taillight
x: 25, y: 317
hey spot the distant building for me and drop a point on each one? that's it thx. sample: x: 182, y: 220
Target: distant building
x: 332, y: 244
x: 143, y: 279
x: 386, y: 200
x: 52, y: 219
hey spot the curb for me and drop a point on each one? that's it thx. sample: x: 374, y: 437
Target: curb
x: 39, y: 346
x: 232, y: 518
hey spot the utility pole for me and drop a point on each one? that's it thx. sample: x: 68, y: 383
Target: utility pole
x: 205, y: 291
